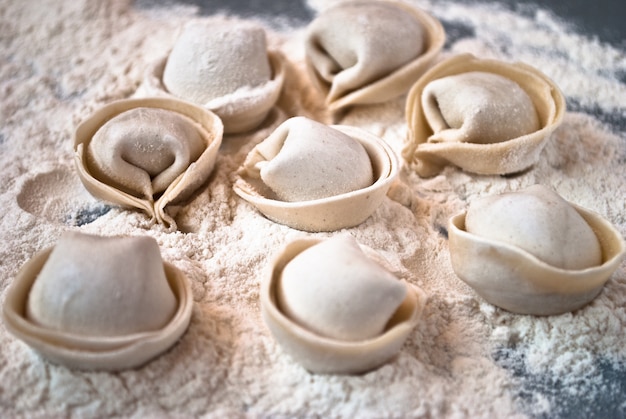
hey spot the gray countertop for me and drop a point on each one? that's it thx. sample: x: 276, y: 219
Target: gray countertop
x: 602, y: 18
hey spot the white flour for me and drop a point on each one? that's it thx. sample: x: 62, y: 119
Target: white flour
x: 465, y: 359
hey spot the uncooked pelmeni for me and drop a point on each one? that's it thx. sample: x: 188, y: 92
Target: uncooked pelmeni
x: 335, y: 290
x: 142, y: 151
x: 478, y: 107
x: 102, y: 286
x: 147, y: 153
x: 540, y: 222
x: 209, y: 61
x: 315, y: 177
x: 94, y: 302
x: 225, y: 67
x: 369, y: 51
x: 333, y: 309
x: 484, y: 116
x: 306, y: 160
x: 532, y: 252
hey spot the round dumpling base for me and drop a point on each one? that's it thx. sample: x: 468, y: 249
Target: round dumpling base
x: 515, y: 280
x: 87, y: 352
x: 209, y: 126
x: 511, y: 156
x: 323, y: 355
x: 336, y: 212
x: 241, y: 111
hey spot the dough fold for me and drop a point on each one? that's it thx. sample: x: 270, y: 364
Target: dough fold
x: 304, y: 160
x: 356, y: 43
x: 478, y: 107
x: 333, y: 289
x: 143, y: 150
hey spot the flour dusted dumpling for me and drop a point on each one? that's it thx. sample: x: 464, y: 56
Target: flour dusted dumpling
x: 307, y: 160
x: 315, y: 177
x: 356, y: 43
x: 102, y: 286
x: 211, y: 61
x: 225, y: 67
x: 370, y: 51
x: 94, y: 302
x: 147, y: 153
x: 478, y: 107
x: 334, y: 309
x: 532, y: 252
x: 142, y: 151
x: 539, y: 221
x: 335, y: 290
x: 484, y: 116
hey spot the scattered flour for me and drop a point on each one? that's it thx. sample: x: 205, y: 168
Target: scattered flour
x: 465, y: 359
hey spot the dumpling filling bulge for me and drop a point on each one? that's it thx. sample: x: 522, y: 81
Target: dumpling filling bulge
x: 478, y: 107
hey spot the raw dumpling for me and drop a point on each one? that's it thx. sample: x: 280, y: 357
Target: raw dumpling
x: 102, y: 286
x: 532, y: 252
x: 484, y: 116
x: 478, y: 107
x: 306, y: 160
x: 335, y: 310
x: 211, y: 61
x: 143, y: 150
x: 539, y: 221
x: 148, y: 153
x: 303, y: 160
x: 225, y: 67
x: 104, y: 303
x: 356, y: 45
x: 333, y: 289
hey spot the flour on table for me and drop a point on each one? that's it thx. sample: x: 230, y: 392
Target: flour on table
x: 465, y: 359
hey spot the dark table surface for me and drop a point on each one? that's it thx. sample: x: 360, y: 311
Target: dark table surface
x: 605, y: 19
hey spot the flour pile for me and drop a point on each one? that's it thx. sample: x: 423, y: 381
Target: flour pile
x: 466, y: 358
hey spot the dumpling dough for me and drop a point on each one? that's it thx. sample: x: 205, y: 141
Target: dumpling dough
x: 357, y: 43
x: 143, y: 150
x: 333, y: 289
x: 478, y: 107
x: 209, y: 61
x: 540, y: 222
x: 102, y: 286
x: 307, y: 160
